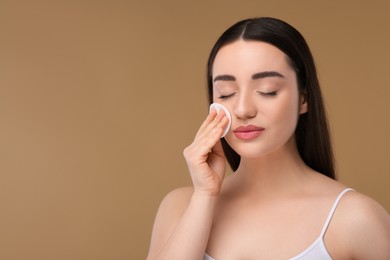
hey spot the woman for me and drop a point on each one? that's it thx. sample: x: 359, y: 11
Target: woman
x: 282, y: 201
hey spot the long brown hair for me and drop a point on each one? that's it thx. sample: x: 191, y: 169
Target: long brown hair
x: 312, y: 132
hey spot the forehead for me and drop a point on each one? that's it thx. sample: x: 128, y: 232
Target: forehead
x: 251, y: 56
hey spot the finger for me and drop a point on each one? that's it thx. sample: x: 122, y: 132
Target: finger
x: 219, y: 130
x: 209, y: 125
x: 220, y: 122
x: 207, y: 143
x: 216, y: 155
x: 224, y: 122
x: 210, y: 117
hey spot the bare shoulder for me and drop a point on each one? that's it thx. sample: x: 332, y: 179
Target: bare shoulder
x: 171, y: 209
x: 358, y: 208
x: 176, y: 201
x: 363, y: 225
x: 173, y: 206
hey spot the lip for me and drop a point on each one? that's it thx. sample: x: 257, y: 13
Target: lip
x: 248, y: 132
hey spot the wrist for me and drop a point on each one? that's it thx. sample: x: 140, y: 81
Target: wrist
x: 205, y: 196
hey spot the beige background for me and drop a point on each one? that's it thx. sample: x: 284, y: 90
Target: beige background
x: 99, y: 98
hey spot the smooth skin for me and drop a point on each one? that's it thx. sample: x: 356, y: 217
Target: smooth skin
x: 273, y: 206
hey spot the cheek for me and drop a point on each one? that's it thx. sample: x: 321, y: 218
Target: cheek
x: 285, y: 113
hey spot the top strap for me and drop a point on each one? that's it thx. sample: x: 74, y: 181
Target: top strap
x: 325, y: 227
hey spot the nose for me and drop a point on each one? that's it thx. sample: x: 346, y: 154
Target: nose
x: 245, y: 107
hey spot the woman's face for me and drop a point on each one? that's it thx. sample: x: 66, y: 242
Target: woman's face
x: 255, y: 82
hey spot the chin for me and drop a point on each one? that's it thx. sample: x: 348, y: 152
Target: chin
x: 252, y: 151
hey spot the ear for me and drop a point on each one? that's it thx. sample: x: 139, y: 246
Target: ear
x: 303, y: 103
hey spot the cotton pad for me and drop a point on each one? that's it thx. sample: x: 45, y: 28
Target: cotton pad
x: 219, y: 107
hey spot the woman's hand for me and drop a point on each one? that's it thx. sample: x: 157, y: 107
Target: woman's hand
x: 205, y: 157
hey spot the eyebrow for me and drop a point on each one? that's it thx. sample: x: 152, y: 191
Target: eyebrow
x: 224, y: 78
x: 259, y: 75
x: 266, y: 74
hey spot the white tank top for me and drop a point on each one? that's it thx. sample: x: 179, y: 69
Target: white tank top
x: 317, y: 249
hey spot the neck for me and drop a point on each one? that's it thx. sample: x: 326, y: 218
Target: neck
x: 280, y: 172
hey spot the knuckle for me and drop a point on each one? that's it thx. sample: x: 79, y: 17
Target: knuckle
x: 186, y: 151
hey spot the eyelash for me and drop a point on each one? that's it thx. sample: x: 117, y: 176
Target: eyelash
x: 226, y: 96
x: 266, y: 94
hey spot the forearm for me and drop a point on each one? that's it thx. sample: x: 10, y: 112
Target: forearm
x: 189, y: 238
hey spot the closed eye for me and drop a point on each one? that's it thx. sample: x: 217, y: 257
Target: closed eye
x: 226, y: 96
x: 268, y: 94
